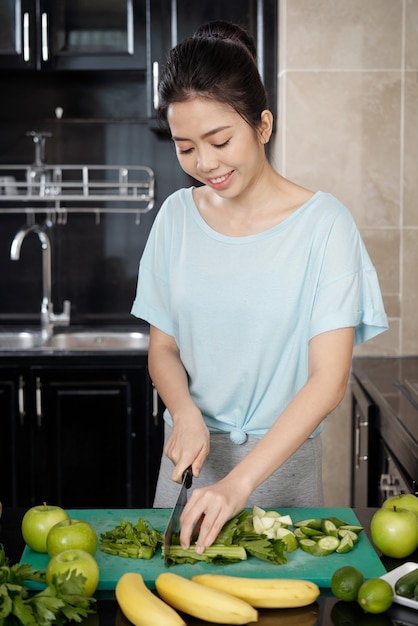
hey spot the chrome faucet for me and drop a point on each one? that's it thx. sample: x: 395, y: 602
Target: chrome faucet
x: 48, y: 318
x: 38, y: 176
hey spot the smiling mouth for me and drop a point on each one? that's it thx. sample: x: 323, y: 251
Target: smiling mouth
x: 219, y: 179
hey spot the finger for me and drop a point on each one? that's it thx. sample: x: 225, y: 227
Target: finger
x: 178, y: 472
x: 209, y: 530
x: 190, y: 519
x: 199, y: 461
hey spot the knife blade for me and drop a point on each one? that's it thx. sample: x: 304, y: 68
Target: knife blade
x: 173, y: 525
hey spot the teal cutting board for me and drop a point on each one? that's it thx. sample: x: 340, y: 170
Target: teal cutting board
x: 299, y: 565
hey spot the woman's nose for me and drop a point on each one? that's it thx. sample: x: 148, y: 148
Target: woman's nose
x: 206, y: 161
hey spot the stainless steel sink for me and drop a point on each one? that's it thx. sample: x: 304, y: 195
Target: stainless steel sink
x: 74, y: 341
x: 100, y: 340
x: 20, y: 340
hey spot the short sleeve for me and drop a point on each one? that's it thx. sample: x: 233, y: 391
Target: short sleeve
x: 348, y: 291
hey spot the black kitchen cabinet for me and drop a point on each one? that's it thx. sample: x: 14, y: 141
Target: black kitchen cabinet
x: 78, y: 435
x: 365, y: 465
x: 9, y: 425
x: 73, y: 34
x: 385, y: 428
x: 174, y: 20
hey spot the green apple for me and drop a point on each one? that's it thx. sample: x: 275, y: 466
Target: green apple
x: 71, y: 533
x: 403, y: 501
x: 37, y: 522
x: 395, y: 532
x: 74, y: 559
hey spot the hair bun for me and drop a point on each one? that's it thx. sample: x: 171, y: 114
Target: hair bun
x: 227, y: 31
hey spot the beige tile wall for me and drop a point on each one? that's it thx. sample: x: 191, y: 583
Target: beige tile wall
x: 348, y: 124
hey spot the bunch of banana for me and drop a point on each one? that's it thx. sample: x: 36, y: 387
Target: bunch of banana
x: 141, y: 606
x: 214, y: 598
x: 203, y: 602
x: 266, y: 593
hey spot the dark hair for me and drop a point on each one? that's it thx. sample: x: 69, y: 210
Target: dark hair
x: 226, y: 30
x: 217, y: 62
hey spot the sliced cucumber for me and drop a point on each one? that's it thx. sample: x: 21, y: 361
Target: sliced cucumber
x: 342, y: 532
x: 312, y: 532
x: 322, y: 547
x: 346, y: 545
x: 327, y: 545
x: 329, y: 528
x: 313, y: 522
x: 352, y: 527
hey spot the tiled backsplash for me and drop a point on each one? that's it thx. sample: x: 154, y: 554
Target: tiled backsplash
x: 348, y: 124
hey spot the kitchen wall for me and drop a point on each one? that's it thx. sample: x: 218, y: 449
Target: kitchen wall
x: 348, y: 124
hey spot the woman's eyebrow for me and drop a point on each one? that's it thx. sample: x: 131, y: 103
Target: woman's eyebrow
x: 205, y: 135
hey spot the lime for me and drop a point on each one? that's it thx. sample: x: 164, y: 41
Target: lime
x: 375, y: 595
x: 346, y: 582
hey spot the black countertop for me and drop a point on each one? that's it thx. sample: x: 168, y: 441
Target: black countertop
x: 325, y: 612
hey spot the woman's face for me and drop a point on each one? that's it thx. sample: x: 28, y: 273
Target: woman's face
x: 216, y: 146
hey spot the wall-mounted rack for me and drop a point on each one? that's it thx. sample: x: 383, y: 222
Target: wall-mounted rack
x: 62, y: 189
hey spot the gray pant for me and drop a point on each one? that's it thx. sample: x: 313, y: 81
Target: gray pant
x: 298, y: 483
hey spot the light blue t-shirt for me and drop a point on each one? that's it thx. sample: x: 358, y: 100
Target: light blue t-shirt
x: 243, y: 309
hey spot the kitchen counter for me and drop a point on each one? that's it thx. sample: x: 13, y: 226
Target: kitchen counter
x: 26, y: 342
x: 392, y: 385
x: 322, y: 613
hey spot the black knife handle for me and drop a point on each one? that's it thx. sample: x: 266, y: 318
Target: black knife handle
x: 188, y: 477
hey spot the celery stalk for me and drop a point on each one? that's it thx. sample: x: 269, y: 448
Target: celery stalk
x: 216, y: 553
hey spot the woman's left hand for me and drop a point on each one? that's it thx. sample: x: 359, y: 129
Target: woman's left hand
x: 210, y: 507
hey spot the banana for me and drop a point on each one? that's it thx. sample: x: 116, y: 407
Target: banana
x: 141, y: 606
x: 268, y: 593
x: 202, y: 602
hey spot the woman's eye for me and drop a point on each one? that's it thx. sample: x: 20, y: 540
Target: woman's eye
x: 185, y: 151
x: 222, y: 145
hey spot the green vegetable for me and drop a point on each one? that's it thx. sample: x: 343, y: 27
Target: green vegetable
x: 405, y: 586
x: 273, y: 550
x: 218, y: 554
x: 56, y: 604
x: 237, y: 537
x: 323, y: 536
x: 135, y: 542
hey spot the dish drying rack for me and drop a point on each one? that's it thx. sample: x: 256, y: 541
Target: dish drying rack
x: 58, y: 190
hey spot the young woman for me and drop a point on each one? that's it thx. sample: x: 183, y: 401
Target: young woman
x: 256, y: 290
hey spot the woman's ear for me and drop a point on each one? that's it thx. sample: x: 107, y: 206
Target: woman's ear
x: 266, y: 126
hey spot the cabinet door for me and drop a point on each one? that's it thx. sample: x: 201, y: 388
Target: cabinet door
x: 15, y: 439
x: 178, y: 19
x: 365, y: 468
x: 93, y: 34
x: 7, y: 439
x: 17, y: 34
x: 73, y: 34
x: 83, y: 437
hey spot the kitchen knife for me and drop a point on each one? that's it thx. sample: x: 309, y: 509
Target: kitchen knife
x: 173, y: 525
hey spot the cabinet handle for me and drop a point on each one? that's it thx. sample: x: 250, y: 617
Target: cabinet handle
x: 155, y: 81
x: 155, y: 405
x: 38, y: 402
x: 26, y: 42
x: 45, y: 52
x: 359, y: 424
x: 21, y: 399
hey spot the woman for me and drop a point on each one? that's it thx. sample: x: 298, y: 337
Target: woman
x: 256, y: 290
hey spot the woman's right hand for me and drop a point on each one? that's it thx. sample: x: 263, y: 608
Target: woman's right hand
x: 188, y: 444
